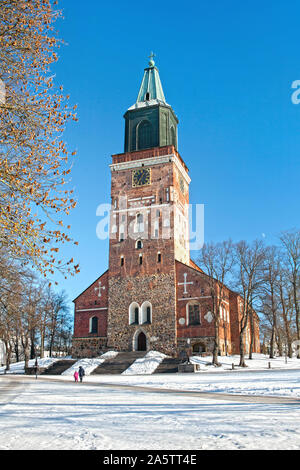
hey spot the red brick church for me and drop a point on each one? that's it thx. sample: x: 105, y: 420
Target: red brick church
x: 153, y: 296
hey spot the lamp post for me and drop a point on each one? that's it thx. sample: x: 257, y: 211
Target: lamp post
x: 188, y: 351
x: 36, y: 366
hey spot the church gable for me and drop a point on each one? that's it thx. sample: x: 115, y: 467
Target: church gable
x: 195, y: 322
x: 91, y: 309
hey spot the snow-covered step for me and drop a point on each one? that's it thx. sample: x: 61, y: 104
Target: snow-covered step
x: 118, y: 364
x: 90, y: 364
x: 146, y: 365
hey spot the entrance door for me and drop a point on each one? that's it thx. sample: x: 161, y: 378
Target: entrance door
x: 141, y: 342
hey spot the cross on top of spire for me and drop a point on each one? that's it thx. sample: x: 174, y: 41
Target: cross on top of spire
x: 151, y: 61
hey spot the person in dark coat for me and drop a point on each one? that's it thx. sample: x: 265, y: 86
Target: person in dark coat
x: 81, y: 373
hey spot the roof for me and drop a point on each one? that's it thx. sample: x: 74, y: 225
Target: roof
x: 151, y: 92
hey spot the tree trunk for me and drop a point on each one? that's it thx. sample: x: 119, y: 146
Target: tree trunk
x: 286, y: 324
x: 242, y: 343
x: 296, y: 304
x: 32, y: 345
x: 279, y: 344
x: 42, y: 343
x: 8, y: 351
x: 272, y: 343
x: 251, y: 335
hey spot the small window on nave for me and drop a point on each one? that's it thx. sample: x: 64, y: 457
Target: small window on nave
x: 94, y: 325
x: 139, y: 245
x: 193, y: 314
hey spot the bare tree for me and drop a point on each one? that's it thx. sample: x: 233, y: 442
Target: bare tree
x: 249, y: 260
x: 271, y: 299
x: 58, y: 317
x: 290, y: 241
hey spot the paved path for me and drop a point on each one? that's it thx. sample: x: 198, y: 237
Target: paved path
x: 10, y: 388
x: 13, y: 383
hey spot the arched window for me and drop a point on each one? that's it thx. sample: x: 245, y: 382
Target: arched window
x: 139, y: 245
x: 147, y: 98
x: 193, y: 313
x: 139, y: 227
x: 134, y: 313
x: 94, y: 325
x: 146, y: 313
x: 122, y: 233
x: 144, y: 135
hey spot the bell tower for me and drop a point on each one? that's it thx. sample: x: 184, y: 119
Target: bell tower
x: 150, y: 122
x: 148, y: 224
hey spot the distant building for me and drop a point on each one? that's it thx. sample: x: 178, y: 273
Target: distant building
x: 153, y: 296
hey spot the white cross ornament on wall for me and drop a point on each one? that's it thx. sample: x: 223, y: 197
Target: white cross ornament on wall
x: 185, y: 283
x: 99, y: 289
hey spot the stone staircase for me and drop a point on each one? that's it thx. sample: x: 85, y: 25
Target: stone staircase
x: 167, y: 366
x: 119, y: 363
x: 59, y: 367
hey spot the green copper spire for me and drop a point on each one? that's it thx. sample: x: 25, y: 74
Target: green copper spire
x: 151, y: 88
x: 151, y: 121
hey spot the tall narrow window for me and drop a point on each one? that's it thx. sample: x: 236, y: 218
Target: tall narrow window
x: 122, y: 260
x: 167, y: 195
x: 139, y: 223
x: 194, y: 314
x: 159, y: 257
x: 145, y: 135
x: 136, y: 315
x: 148, y: 314
x: 141, y: 259
x: 173, y: 136
x: 94, y: 325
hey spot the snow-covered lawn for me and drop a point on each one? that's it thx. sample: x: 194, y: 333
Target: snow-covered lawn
x: 148, y: 364
x: 259, y: 362
x: 18, y: 367
x: 51, y: 414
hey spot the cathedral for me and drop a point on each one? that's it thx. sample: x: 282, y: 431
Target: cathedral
x: 152, y: 296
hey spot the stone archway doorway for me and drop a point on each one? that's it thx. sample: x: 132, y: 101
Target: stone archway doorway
x: 141, y: 342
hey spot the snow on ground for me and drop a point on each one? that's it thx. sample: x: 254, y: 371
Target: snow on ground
x: 18, y: 367
x: 259, y: 362
x: 90, y: 364
x: 280, y: 383
x: 61, y: 415
x: 145, y: 365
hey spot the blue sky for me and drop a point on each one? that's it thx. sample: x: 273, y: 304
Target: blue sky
x: 227, y: 69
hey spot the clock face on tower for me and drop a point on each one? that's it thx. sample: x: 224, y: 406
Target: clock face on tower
x: 141, y: 177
